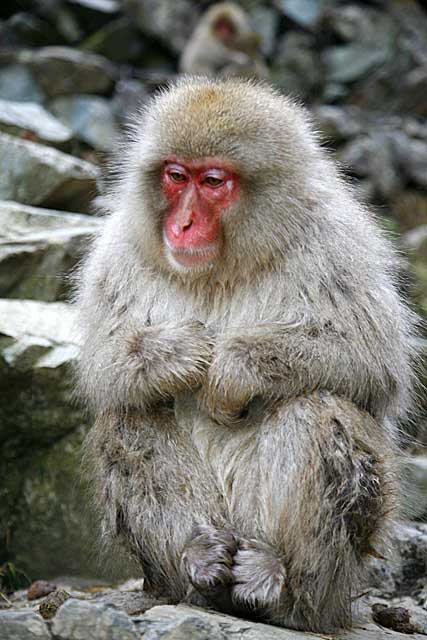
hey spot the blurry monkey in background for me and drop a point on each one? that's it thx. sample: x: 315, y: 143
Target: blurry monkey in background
x: 224, y: 44
x: 248, y: 358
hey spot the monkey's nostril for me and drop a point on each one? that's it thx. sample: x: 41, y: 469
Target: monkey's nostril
x: 187, y: 225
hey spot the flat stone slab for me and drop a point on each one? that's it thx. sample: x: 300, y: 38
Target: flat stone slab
x: 18, y: 118
x: 38, y: 248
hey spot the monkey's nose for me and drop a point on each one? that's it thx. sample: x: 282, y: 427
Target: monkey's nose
x: 187, y: 224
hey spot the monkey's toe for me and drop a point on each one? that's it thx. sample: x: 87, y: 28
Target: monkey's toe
x: 208, y: 557
x: 259, y: 576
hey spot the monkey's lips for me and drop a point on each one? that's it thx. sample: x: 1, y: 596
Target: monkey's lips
x: 192, y: 257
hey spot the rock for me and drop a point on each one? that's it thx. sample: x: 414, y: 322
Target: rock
x: 40, y: 589
x: 52, y: 603
x: 296, y: 65
x: 306, y: 13
x: 265, y: 21
x: 35, y: 174
x: 346, y: 63
x: 372, y: 156
x: 38, y: 248
x: 31, y: 30
x: 90, y: 118
x: 23, y: 118
x: 415, y: 243
x: 104, y: 6
x: 411, y: 97
x: 192, y: 623
x: 171, y: 22
x: 22, y: 625
x: 337, y: 123
x: 18, y: 83
x: 129, y: 96
x: 416, y: 472
x: 38, y: 342
x: 412, y: 157
x: 65, y: 71
x: 118, y: 41
x: 42, y: 505
x: 78, y: 620
x: 396, y: 618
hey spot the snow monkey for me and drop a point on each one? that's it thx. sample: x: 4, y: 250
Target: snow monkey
x: 224, y: 44
x: 247, y: 357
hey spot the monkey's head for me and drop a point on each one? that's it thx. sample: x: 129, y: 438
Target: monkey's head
x: 219, y: 176
x: 229, y: 24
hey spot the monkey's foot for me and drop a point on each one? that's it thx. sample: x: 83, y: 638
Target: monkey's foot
x: 208, y: 559
x: 259, y: 576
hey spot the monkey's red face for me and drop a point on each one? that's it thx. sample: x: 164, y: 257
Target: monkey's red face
x: 199, y: 194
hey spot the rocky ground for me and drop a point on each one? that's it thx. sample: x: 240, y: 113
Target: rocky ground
x: 71, y: 71
x: 69, y: 609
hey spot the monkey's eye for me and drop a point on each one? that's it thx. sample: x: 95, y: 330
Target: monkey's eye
x: 212, y: 181
x: 177, y: 177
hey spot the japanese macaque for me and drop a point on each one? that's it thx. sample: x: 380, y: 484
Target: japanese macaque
x: 247, y: 357
x: 224, y: 44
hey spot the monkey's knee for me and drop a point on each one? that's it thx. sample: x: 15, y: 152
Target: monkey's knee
x: 352, y: 462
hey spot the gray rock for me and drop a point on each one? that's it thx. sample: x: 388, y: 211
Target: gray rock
x: 104, y: 6
x: 90, y: 118
x: 265, y: 21
x: 129, y: 96
x: 346, y: 63
x: 338, y: 123
x: 38, y: 248
x: 42, y: 505
x: 415, y: 242
x: 296, y: 66
x: 65, y: 71
x: 118, y: 41
x: 412, y: 157
x: 304, y: 12
x: 372, y: 156
x: 22, y: 625
x: 18, y: 83
x: 416, y: 472
x: 78, y: 620
x: 35, y: 174
x: 171, y: 22
x: 370, y: 34
x: 19, y: 117
x: 184, y: 622
x: 413, y: 90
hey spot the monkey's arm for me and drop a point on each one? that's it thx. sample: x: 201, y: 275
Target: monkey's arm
x: 129, y: 366
x: 275, y: 360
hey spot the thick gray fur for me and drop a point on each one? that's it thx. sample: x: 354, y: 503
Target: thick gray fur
x: 245, y: 443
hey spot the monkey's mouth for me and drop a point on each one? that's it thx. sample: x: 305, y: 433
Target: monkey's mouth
x: 192, y: 257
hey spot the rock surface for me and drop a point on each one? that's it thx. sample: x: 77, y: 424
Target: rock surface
x: 25, y: 118
x: 39, y: 248
x: 35, y: 174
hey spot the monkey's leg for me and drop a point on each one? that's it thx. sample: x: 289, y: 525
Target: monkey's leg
x: 152, y: 490
x: 325, y: 491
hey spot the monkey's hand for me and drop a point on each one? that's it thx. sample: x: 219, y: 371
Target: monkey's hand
x: 233, y: 381
x: 172, y: 357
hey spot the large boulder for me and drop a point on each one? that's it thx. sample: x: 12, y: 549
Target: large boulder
x: 38, y: 248
x: 64, y: 71
x: 32, y: 173
x: 41, y: 429
x: 27, y: 119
